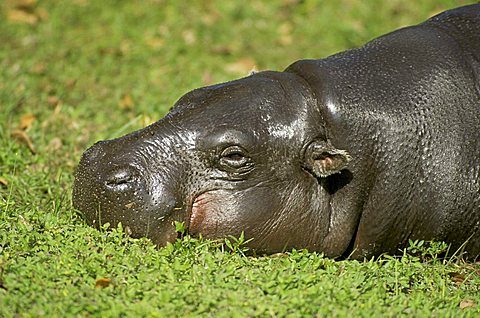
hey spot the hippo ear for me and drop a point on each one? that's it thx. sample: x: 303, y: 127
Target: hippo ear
x: 323, y: 160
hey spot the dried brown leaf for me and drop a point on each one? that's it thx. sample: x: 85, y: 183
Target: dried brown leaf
x: 39, y: 69
x: 70, y: 83
x: 467, y: 303
x: 24, y: 11
x: 52, y: 100
x: 22, y: 137
x: 222, y: 50
x: 20, y: 16
x: 3, y: 181
x: 126, y: 102
x: 155, y: 42
x: 242, y: 66
x: 112, y: 51
x: 103, y: 282
x: 457, y: 277
x: 26, y: 121
x: 22, y: 4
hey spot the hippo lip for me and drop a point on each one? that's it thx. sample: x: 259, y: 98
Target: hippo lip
x: 192, y: 214
x: 196, y: 214
x: 189, y: 212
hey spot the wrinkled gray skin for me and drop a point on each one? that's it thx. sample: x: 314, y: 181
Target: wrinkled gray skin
x: 352, y: 154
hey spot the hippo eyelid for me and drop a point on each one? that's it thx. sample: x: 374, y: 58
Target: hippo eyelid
x: 233, y: 158
x: 233, y: 151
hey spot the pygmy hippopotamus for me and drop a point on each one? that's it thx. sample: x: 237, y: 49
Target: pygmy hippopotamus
x: 351, y: 155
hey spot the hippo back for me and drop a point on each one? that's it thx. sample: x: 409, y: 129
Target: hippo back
x: 407, y: 108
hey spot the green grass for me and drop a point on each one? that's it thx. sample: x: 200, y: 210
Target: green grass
x: 90, y: 70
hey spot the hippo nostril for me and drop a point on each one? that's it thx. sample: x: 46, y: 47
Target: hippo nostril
x: 119, y: 178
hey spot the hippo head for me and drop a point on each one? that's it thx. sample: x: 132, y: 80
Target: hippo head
x: 248, y: 156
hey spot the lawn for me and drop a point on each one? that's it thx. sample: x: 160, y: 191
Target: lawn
x: 75, y: 72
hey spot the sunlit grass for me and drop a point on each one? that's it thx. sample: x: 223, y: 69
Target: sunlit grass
x: 90, y: 70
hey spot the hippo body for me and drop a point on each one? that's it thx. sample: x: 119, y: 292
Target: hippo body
x: 351, y: 155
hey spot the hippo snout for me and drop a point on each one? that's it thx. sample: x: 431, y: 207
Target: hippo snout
x: 109, y: 190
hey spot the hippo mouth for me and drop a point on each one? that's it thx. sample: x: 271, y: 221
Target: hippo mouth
x: 198, y: 212
x: 208, y: 217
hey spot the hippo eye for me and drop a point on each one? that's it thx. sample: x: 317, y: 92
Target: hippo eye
x: 234, y: 157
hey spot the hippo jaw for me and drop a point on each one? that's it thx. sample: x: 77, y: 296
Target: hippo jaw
x: 202, y: 166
